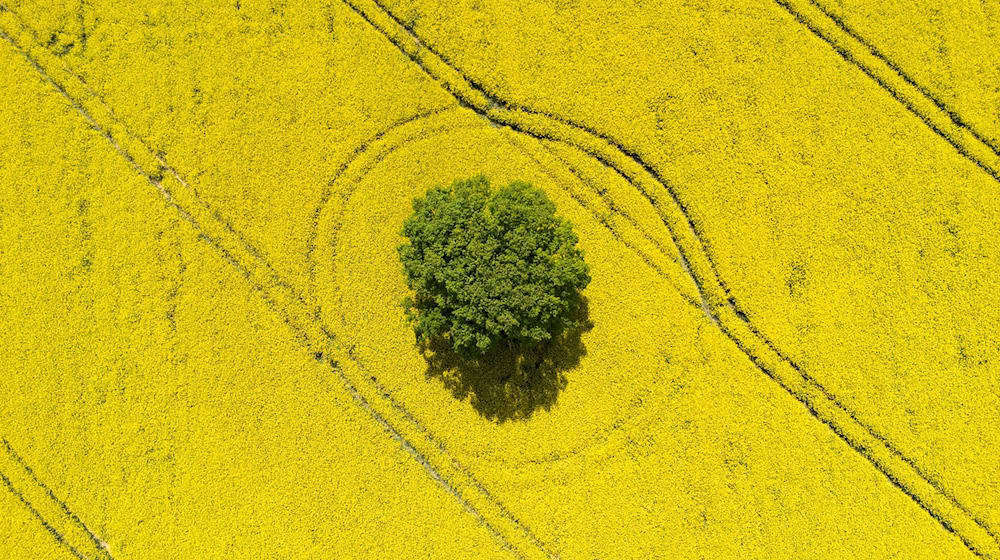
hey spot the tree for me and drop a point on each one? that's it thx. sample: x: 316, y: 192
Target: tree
x: 490, y: 268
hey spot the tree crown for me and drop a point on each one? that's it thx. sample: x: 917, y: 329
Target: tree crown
x: 490, y: 267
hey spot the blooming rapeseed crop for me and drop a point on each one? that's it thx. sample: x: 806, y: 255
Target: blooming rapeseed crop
x: 204, y: 355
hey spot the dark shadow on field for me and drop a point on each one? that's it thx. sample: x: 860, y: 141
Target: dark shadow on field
x: 509, y: 383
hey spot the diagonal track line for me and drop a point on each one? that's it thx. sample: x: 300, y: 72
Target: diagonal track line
x: 52, y: 512
x: 916, y: 99
x: 951, y: 113
x: 494, y: 105
x: 279, y: 295
x: 94, y: 539
x: 931, y: 110
x: 363, y: 161
x: 41, y: 519
x: 720, y: 306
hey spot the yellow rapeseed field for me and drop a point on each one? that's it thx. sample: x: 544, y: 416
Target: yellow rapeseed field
x: 151, y: 389
x: 788, y: 210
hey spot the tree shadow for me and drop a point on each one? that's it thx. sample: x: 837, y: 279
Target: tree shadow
x: 511, y: 383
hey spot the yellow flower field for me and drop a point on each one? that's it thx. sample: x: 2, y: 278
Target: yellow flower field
x: 788, y: 209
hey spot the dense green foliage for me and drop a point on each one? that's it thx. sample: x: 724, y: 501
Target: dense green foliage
x: 490, y: 268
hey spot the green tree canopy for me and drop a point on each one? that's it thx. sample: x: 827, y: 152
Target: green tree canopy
x: 490, y: 268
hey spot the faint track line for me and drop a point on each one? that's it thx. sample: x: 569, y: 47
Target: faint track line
x: 614, y: 210
x: 45, y: 524
x: 719, y: 304
x: 895, y: 67
x: 916, y: 99
x: 62, y: 523
x: 101, y: 545
x: 827, y: 393
x: 345, y: 195
x: 158, y: 155
x: 936, y: 484
x: 279, y: 295
x: 380, y: 153
x: 740, y: 312
x: 328, y: 189
x: 250, y: 274
x: 848, y: 44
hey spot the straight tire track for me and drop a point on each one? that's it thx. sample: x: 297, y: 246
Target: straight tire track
x: 279, y: 295
x: 916, y: 99
x: 52, y: 512
x: 895, y: 67
x: 901, y: 471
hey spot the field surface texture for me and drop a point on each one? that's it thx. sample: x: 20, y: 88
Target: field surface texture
x: 789, y: 210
